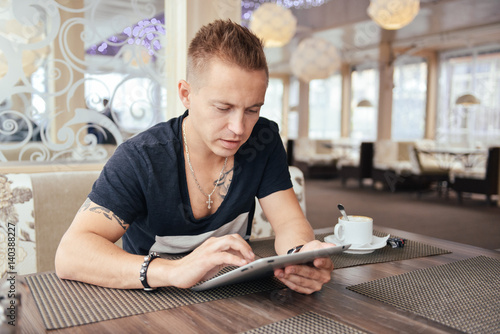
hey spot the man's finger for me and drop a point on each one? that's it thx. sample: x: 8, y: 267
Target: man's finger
x: 233, y: 242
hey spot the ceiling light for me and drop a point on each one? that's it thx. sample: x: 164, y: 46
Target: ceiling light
x: 314, y: 58
x: 274, y: 24
x: 365, y: 104
x: 467, y: 100
x: 393, y: 14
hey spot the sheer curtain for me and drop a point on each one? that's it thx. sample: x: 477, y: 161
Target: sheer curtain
x: 409, y: 99
x: 472, y: 71
x: 273, y: 108
x: 325, y: 107
x: 365, y: 86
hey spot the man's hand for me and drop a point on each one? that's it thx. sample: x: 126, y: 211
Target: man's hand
x: 304, y: 278
x: 208, y: 258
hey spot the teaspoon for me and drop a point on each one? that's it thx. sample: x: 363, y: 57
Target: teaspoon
x: 342, y: 210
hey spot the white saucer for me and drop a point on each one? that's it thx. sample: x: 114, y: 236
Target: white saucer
x: 377, y: 243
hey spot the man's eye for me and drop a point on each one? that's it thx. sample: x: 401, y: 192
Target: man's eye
x: 222, y: 109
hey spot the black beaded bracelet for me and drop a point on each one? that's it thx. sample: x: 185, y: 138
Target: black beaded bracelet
x: 144, y: 270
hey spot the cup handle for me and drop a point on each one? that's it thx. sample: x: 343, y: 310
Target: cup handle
x: 339, y: 232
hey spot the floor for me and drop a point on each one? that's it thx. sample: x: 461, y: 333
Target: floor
x: 472, y: 223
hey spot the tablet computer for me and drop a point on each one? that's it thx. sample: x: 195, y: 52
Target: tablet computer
x: 265, y: 267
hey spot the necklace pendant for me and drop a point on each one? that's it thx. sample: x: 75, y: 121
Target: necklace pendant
x: 209, y: 202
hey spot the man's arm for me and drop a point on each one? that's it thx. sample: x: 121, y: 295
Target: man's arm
x: 292, y: 229
x: 87, y: 253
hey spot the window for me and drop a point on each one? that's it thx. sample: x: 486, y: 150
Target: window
x: 325, y: 98
x: 409, y: 100
x: 476, y: 72
x: 273, y: 106
x: 365, y: 84
x: 293, y: 113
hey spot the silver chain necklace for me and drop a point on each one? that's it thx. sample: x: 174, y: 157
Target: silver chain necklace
x: 209, y: 201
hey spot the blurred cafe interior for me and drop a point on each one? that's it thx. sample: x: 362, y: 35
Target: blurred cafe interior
x: 383, y: 97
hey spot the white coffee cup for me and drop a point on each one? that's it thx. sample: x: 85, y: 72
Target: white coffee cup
x: 357, y: 231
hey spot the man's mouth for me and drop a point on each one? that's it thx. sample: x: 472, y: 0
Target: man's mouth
x: 230, y: 144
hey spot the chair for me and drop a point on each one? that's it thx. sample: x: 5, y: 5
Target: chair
x: 392, y: 167
x: 42, y: 206
x: 314, y: 157
x: 487, y: 184
x: 261, y: 228
x: 428, y: 171
x: 361, y: 169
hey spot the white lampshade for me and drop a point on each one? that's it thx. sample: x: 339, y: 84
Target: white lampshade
x: 365, y: 104
x: 393, y: 14
x: 467, y: 100
x: 314, y: 58
x: 274, y: 24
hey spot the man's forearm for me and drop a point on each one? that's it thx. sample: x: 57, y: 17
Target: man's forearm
x: 95, y: 260
x: 292, y: 234
x: 105, y: 264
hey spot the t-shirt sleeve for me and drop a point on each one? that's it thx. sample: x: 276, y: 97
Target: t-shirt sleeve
x: 122, y: 184
x: 276, y: 176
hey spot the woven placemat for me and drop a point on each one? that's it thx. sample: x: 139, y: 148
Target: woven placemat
x: 412, y: 249
x: 464, y: 295
x: 306, y: 323
x: 64, y: 303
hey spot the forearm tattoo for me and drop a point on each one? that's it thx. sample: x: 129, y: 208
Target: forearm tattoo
x: 87, y: 206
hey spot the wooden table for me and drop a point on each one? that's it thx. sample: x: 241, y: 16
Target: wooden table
x: 246, y: 312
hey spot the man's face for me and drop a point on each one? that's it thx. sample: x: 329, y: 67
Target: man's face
x: 224, y: 107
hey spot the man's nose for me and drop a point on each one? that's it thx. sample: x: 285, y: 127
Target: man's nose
x: 237, y: 123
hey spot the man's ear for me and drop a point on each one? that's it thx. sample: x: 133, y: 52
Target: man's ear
x: 184, y: 89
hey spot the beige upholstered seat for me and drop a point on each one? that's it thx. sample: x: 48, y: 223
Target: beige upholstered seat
x: 42, y: 207
x: 392, y: 155
x: 261, y: 228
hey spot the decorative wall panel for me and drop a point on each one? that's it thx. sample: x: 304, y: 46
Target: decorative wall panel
x: 77, y: 77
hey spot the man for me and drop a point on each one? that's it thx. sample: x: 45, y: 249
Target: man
x: 189, y: 185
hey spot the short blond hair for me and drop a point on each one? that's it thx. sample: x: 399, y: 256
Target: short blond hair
x: 226, y: 41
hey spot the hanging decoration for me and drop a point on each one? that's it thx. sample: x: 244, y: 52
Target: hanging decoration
x: 314, y: 58
x: 249, y: 6
x: 393, y: 14
x: 274, y: 24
